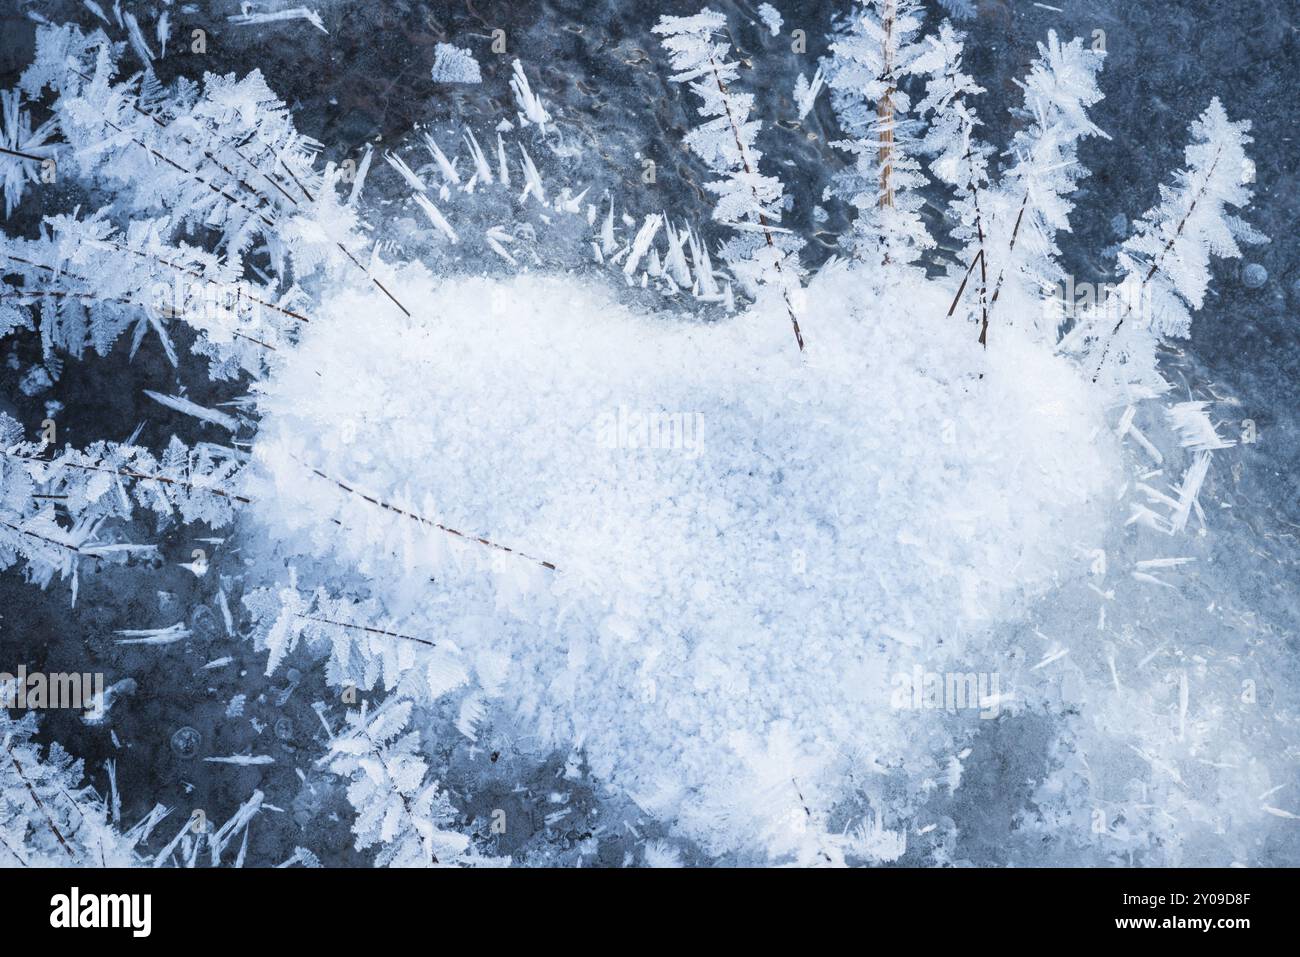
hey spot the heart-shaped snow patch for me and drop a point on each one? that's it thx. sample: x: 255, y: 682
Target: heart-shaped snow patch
x: 753, y: 552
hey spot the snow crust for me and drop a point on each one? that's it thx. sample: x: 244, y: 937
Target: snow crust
x: 736, y: 591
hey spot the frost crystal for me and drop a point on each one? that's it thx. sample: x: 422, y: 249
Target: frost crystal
x: 748, y: 201
x: 771, y: 18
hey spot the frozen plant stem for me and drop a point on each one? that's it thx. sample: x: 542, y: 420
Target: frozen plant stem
x: 26, y: 156
x: 984, y: 274
x: 49, y: 818
x: 424, y: 521
x: 195, y: 176
x: 885, y: 110
x: 406, y: 803
x: 762, y: 218
x: 236, y: 202
x: 141, y: 476
x: 161, y: 125
x: 1011, y: 247
x: 981, y: 257
x: 12, y: 852
x: 1155, y: 265
x: 42, y: 538
x: 1033, y: 196
x: 190, y: 272
x: 65, y: 294
x: 380, y: 285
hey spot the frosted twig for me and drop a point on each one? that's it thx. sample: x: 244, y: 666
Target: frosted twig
x: 424, y: 521
x: 42, y: 538
x: 198, y: 275
x: 762, y: 217
x: 373, y: 631
x: 1155, y: 264
x: 231, y: 199
x: 130, y: 473
x: 26, y: 156
x: 885, y: 110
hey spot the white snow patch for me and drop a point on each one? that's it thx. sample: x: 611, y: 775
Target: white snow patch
x: 740, y: 536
